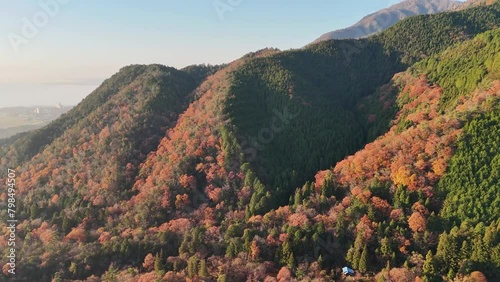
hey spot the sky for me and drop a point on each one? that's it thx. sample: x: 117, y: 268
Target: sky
x: 60, y: 50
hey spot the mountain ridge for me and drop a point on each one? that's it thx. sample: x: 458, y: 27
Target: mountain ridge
x: 385, y: 18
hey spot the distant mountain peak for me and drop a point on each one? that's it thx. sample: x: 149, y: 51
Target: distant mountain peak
x: 386, y: 18
x: 473, y: 3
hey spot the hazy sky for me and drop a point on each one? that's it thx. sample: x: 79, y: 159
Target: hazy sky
x: 60, y: 50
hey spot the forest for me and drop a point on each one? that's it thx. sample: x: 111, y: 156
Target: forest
x: 380, y: 154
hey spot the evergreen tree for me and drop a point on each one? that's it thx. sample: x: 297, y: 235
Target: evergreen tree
x: 192, y: 266
x: 286, y: 256
x: 429, y: 269
x: 73, y: 268
x: 203, y: 272
x: 480, y: 251
x: 231, y: 250
x: 351, y: 258
x: 385, y: 248
x: 447, y: 252
x: 355, y: 252
x: 159, y: 265
x: 363, y: 260
x: 297, y: 198
x: 320, y: 261
x: 465, y: 250
x: 222, y: 278
x: 125, y: 247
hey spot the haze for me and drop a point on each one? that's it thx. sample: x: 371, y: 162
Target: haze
x: 80, y: 43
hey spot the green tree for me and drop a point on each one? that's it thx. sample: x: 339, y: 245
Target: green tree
x: 159, y: 266
x: 355, y: 252
x: 222, y: 278
x: 429, y: 268
x: 231, y: 250
x: 192, y: 266
x: 447, y: 252
x: 203, y: 271
x: 385, y: 249
x: 363, y: 260
x: 73, y: 268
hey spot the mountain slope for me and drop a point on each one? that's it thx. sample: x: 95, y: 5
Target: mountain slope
x: 386, y: 18
x: 436, y: 151
x: 92, y: 164
x: 327, y: 80
x: 30, y: 144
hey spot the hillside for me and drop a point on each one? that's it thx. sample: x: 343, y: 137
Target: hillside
x: 428, y: 158
x: 29, y: 145
x: 385, y: 18
x: 280, y: 165
x: 94, y: 150
x: 25, y: 146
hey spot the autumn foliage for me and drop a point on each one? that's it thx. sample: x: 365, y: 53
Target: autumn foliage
x: 280, y: 166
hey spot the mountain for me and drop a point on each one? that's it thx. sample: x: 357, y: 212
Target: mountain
x: 472, y: 3
x: 280, y: 166
x: 25, y: 146
x: 92, y: 152
x: 433, y: 166
x: 386, y: 18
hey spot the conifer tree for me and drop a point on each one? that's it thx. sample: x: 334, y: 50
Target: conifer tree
x: 363, y: 260
x: 192, y: 266
x: 203, y: 270
x: 159, y: 266
x: 429, y: 269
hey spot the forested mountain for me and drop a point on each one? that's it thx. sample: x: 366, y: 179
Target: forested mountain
x: 87, y: 157
x: 388, y: 17
x: 376, y: 153
x: 421, y: 166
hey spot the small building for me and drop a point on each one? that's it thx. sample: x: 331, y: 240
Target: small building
x: 347, y: 271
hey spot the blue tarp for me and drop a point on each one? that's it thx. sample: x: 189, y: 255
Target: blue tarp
x: 347, y: 271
